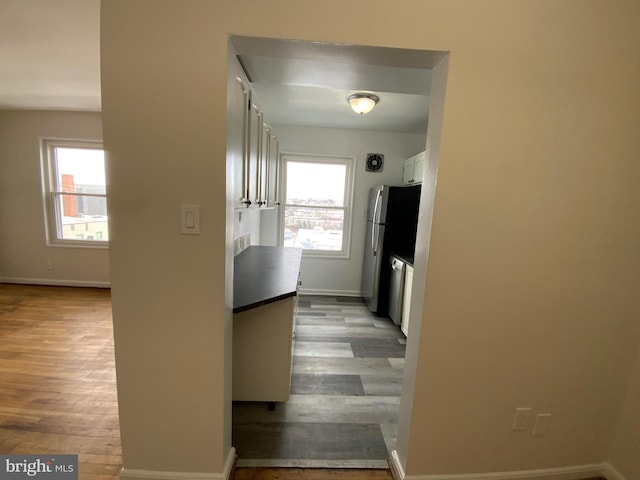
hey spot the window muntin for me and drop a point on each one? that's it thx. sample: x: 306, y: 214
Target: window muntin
x: 75, y: 193
x: 317, y: 204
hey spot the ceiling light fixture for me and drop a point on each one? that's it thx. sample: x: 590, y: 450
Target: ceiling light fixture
x: 363, y: 102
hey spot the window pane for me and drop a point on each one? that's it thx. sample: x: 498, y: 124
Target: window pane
x: 320, y: 184
x: 82, y: 217
x: 80, y: 170
x: 313, y: 228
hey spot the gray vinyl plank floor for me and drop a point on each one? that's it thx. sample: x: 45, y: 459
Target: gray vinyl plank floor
x: 345, y: 393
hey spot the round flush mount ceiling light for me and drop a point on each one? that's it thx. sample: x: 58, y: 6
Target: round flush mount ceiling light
x: 363, y: 102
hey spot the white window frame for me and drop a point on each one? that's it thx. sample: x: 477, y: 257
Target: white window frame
x: 52, y: 214
x: 349, y: 162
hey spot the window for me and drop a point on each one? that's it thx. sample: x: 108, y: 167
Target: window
x: 317, y: 204
x: 75, y: 193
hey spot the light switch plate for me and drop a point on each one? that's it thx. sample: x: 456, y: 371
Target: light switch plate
x: 190, y: 219
x: 522, y: 419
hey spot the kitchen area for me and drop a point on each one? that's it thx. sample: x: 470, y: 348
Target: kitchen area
x: 318, y: 340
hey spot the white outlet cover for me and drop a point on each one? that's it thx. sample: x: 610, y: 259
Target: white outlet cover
x: 541, y: 425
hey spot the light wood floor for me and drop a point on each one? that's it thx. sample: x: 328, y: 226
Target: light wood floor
x: 58, y: 390
x: 57, y: 376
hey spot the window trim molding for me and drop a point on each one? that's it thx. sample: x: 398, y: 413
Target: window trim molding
x: 48, y: 175
x: 349, y: 161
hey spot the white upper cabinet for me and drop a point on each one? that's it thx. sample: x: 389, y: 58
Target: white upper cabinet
x: 237, y: 117
x: 251, y: 144
x: 254, y: 142
x: 273, y: 167
x: 413, y: 167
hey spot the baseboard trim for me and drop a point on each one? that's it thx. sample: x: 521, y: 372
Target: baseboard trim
x: 228, y: 466
x: 610, y: 472
x: 576, y: 472
x: 397, y: 471
x: 327, y: 292
x: 137, y: 474
x: 55, y: 283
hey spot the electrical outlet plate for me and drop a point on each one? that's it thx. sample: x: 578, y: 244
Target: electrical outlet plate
x: 541, y: 425
x: 522, y: 418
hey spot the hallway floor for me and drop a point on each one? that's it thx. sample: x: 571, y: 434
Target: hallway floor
x: 345, y: 393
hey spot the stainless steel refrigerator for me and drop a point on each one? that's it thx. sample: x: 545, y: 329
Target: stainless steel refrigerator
x: 392, y: 217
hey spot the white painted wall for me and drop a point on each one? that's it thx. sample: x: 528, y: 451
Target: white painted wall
x: 23, y: 248
x: 248, y: 221
x: 342, y: 276
x: 164, y: 103
x: 531, y: 295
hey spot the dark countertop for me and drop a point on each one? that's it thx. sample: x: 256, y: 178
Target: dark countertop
x: 263, y: 275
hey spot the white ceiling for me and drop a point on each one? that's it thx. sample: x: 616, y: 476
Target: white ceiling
x: 308, y: 83
x: 50, y: 54
x: 50, y: 59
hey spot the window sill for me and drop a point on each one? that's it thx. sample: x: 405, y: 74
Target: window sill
x: 325, y: 255
x: 72, y: 244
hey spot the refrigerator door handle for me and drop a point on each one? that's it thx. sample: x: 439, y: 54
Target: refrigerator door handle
x: 376, y: 219
x: 374, y: 238
x: 375, y: 226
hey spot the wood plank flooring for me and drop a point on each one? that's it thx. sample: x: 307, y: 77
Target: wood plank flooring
x: 57, y: 376
x: 58, y: 390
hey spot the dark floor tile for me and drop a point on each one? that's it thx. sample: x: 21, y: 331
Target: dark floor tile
x: 304, y: 303
x: 355, y: 300
x: 320, y: 384
x: 329, y: 441
x: 364, y: 347
x: 377, y: 347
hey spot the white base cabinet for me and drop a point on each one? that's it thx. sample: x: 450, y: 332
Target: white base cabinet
x: 263, y: 352
x: 406, y: 300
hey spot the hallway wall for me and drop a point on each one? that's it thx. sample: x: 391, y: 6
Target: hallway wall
x: 530, y: 298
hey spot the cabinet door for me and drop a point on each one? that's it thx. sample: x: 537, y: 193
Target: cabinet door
x: 237, y: 109
x: 254, y: 135
x: 406, y: 299
x: 407, y: 176
x: 418, y: 166
x: 263, y: 165
x: 262, y: 352
x: 413, y: 169
x: 273, y: 172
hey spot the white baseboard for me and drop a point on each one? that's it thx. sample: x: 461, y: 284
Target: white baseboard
x: 331, y: 293
x: 137, y: 474
x: 576, y: 472
x: 397, y: 470
x: 610, y: 473
x: 228, y: 466
x: 54, y: 282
